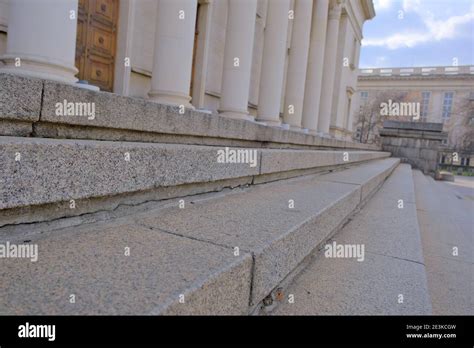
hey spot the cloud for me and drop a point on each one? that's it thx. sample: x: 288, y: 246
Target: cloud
x: 414, y: 6
x: 434, y: 29
x: 447, y: 29
x: 381, y: 5
x: 396, y: 41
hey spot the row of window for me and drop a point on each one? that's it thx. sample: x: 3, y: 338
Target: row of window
x: 425, y: 102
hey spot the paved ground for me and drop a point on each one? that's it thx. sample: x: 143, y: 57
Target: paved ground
x: 446, y: 218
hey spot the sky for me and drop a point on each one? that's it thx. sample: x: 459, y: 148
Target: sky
x: 409, y: 33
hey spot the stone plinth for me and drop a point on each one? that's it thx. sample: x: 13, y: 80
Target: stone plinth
x: 415, y: 143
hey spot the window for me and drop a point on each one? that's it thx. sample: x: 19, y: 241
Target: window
x: 462, y: 161
x: 468, y: 160
x: 425, y: 103
x: 443, y: 159
x: 447, y: 105
x: 364, y: 97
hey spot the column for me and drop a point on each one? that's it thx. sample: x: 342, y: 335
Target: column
x: 330, y: 68
x: 342, y: 77
x: 173, y: 54
x: 273, y: 62
x: 202, y: 53
x: 297, y: 64
x: 241, y: 15
x: 314, y: 74
x: 41, y: 39
x: 124, y: 47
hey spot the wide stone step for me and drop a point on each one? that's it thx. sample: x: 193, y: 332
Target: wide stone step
x: 390, y: 278
x: 37, y: 172
x: 218, y: 255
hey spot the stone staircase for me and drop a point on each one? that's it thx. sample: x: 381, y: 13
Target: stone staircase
x: 133, y: 214
x: 392, y: 277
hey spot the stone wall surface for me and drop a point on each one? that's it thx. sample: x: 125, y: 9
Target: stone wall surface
x: 414, y: 143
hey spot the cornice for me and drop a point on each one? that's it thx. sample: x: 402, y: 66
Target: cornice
x: 368, y: 8
x: 416, y: 77
x: 356, y: 26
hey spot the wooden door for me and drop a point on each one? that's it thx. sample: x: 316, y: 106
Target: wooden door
x: 96, y: 42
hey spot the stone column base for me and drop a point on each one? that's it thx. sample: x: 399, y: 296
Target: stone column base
x: 37, y: 67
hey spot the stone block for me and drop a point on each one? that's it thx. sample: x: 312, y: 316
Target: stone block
x: 279, y: 161
x: 421, y: 126
x: 90, y: 262
x: 429, y: 155
x: 410, y: 142
x: 372, y: 285
x: 369, y: 176
x: 125, y: 113
x: 382, y: 210
x: 60, y: 170
x: 409, y: 152
x: 20, y: 98
x: 444, y: 176
x: 394, y: 141
x: 13, y: 128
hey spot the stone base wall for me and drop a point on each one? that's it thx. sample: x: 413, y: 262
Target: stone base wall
x: 414, y: 143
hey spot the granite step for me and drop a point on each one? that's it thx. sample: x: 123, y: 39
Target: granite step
x: 390, y: 277
x: 220, y: 254
x: 44, y: 179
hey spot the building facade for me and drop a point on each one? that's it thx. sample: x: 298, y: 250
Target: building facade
x: 439, y: 94
x: 285, y: 63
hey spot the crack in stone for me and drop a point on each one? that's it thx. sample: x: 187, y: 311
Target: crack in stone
x: 154, y: 228
x: 120, y: 205
x: 395, y: 257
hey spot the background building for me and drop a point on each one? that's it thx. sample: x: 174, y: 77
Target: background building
x: 445, y: 95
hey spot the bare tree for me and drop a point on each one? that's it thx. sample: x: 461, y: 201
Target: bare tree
x: 369, y: 120
x: 461, y: 126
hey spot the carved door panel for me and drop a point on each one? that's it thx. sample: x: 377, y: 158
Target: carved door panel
x: 96, y: 42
